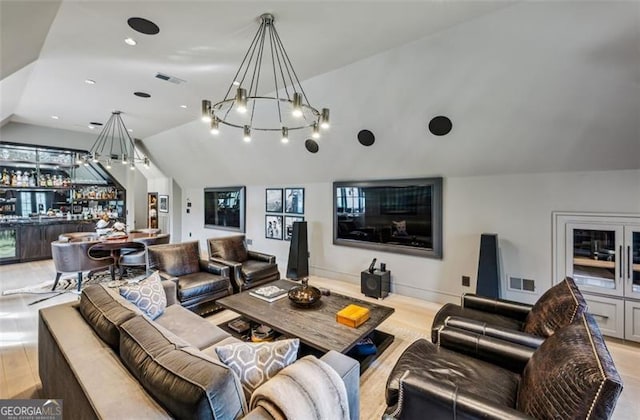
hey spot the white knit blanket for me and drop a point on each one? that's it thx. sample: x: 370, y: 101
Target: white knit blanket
x: 307, y: 389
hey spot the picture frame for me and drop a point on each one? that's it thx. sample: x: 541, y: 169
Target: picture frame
x: 294, y: 200
x: 273, y: 226
x: 273, y: 200
x: 288, y: 225
x: 163, y: 203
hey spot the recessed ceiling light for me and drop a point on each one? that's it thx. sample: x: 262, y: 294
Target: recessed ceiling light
x: 142, y: 94
x: 130, y: 130
x: 183, y: 106
x: 236, y: 83
x: 142, y: 25
x: 91, y: 127
x: 90, y: 82
x: 55, y: 117
x: 130, y: 41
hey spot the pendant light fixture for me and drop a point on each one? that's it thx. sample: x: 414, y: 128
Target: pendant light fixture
x: 114, y: 144
x: 245, y: 108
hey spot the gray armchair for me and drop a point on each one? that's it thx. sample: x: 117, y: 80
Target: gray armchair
x: 200, y: 282
x: 247, y: 268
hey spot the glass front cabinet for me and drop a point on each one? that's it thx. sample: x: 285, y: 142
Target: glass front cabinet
x: 602, y: 254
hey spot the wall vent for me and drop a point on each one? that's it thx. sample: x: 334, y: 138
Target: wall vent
x: 171, y: 79
x: 522, y: 284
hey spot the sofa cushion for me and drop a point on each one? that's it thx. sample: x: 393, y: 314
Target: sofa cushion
x: 475, y: 376
x: 104, y: 309
x: 192, y: 328
x: 557, y: 307
x: 184, y: 380
x: 253, y: 269
x: 231, y: 248
x: 451, y: 309
x: 256, y: 363
x: 571, y: 375
x: 148, y: 295
x: 199, y: 284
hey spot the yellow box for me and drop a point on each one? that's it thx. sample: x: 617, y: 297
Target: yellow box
x: 352, y: 315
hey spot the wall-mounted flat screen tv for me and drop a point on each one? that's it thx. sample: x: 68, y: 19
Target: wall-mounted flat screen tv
x: 401, y: 215
x: 224, y: 208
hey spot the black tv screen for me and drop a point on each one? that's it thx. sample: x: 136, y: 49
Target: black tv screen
x: 224, y: 208
x: 403, y: 216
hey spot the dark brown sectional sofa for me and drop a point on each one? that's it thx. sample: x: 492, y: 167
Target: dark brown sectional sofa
x: 106, y: 360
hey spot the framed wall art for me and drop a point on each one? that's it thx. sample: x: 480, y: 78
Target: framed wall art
x: 294, y: 200
x: 163, y: 203
x: 288, y: 225
x: 273, y: 226
x: 273, y: 200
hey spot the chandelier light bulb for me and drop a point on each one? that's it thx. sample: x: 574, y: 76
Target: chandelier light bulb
x: 285, y: 135
x: 297, y: 105
x: 132, y: 166
x: 247, y: 134
x: 241, y: 100
x: 124, y: 159
x: 324, y: 119
x: 78, y: 160
x: 146, y: 162
x: 316, y: 131
x: 96, y: 157
x: 206, y: 110
x: 215, y: 129
x: 85, y: 162
x: 108, y: 163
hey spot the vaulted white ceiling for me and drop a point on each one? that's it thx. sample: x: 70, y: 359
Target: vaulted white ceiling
x: 201, y: 42
x: 531, y: 86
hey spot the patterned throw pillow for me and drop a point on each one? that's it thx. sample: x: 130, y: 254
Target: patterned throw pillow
x: 148, y: 295
x: 256, y: 363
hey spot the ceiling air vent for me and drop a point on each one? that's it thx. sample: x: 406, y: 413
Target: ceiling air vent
x: 171, y: 79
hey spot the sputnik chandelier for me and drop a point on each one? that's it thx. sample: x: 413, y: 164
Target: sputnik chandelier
x: 244, y: 108
x: 112, y: 145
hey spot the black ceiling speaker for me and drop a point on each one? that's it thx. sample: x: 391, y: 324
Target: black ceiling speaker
x: 142, y: 25
x: 440, y: 125
x: 312, y: 146
x: 298, y: 264
x: 366, y: 138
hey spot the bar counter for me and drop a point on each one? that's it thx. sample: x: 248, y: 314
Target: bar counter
x: 29, y: 238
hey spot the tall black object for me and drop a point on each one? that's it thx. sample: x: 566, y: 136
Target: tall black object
x: 298, y: 265
x: 488, y: 270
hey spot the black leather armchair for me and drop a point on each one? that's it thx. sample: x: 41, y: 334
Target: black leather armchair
x: 248, y: 269
x: 570, y: 376
x: 199, y: 282
x: 513, y: 321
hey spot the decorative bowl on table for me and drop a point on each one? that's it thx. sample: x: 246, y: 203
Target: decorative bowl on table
x: 304, y: 295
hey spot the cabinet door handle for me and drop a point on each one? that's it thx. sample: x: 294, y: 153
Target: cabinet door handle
x: 629, y: 262
x: 621, y: 266
x: 603, y: 317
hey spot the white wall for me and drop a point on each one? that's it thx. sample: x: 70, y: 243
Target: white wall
x: 516, y: 207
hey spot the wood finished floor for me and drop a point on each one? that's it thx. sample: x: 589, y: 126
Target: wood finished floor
x: 19, y: 339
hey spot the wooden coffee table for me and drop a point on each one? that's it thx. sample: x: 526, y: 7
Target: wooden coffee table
x: 316, y: 327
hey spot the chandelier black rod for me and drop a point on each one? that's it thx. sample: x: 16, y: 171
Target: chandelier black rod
x: 288, y: 65
x: 275, y: 77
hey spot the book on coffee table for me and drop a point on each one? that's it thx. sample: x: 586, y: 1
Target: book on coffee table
x: 269, y: 293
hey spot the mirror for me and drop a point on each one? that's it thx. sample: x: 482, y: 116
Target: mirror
x: 224, y: 208
x: 402, y: 216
